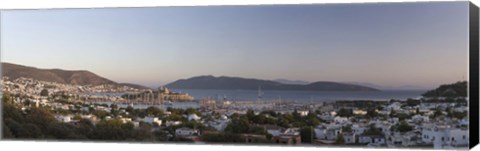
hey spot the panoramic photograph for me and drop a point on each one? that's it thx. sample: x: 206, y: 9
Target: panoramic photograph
x: 376, y: 75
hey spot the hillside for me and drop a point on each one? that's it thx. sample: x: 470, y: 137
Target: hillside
x: 80, y: 77
x: 136, y: 86
x: 458, y: 89
x: 211, y: 82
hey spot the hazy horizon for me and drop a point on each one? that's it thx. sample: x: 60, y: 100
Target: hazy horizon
x: 388, y: 44
x: 372, y: 85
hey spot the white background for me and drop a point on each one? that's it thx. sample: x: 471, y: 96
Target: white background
x: 84, y: 146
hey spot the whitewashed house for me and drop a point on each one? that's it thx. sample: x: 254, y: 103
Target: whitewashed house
x: 359, y: 112
x: 186, y: 132
x: 303, y: 113
x: 445, y: 136
x: 64, y: 118
x: 152, y: 120
x: 125, y: 120
x: 194, y: 117
x: 173, y: 123
x: 394, y: 106
x: 461, y: 109
x: 327, y: 118
x: 340, y: 120
x: 359, y: 129
x: 219, y: 124
x: 327, y: 133
x: 292, y: 131
x: 349, y: 138
x: 420, y: 118
x: 372, y: 140
x: 394, y: 120
x: 404, y: 139
x: 464, y: 122
x: 275, y: 131
x: 136, y: 124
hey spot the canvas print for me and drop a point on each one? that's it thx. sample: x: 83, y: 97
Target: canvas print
x: 378, y: 75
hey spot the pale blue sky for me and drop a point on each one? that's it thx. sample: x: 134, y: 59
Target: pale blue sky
x: 422, y: 44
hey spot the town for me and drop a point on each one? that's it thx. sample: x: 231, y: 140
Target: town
x: 52, y: 111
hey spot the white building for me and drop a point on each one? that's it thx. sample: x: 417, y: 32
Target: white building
x: 359, y: 129
x: 327, y: 118
x: 125, y: 120
x: 404, y: 139
x: 185, y: 132
x: 64, y: 118
x: 292, y: 131
x: 327, y: 133
x: 445, y: 136
x: 420, y: 118
x: 173, y: 123
x: 303, y: 113
x: 372, y: 140
x: 394, y: 106
x: 152, y: 120
x: 219, y: 124
x: 349, y: 138
x: 359, y: 112
x: 340, y: 120
x: 275, y: 132
x: 193, y: 117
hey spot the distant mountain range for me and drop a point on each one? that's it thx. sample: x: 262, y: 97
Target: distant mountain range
x: 79, y: 77
x: 223, y: 82
x: 381, y: 87
x: 285, y: 81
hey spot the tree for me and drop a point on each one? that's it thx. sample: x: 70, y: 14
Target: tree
x: 44, y: 92
x: 373, y: 130
x: 250, y: 114
x: 313, y: 121
x: 393, y: 113
x: 347, y: 128
x: 40, y: 117
x: 437, y: 113
x: 113, y: 106
x: 129, y: 109
x: 458, y: 115
x: 404, y: 127
x: 306, y: 133
x: 154, y: 111
x: 6, y: 132
x: 30, y: 131
x: 222, y: 137
x: 412, y: 102
x: 345, y: 112
x: 258, y: 130
x: 371, y: 113
x: 340, y: 139
x: 101, y: 114
x: 189, y: 111
x: 239, y: 125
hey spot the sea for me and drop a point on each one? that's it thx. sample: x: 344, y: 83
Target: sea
x: 300, y: 97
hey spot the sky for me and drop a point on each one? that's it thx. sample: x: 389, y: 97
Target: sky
x: 389, y: 44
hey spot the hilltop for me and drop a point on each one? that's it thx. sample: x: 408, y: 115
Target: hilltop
x: 223, y: 82
x: 458, y: 89
x: 77, y: 77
